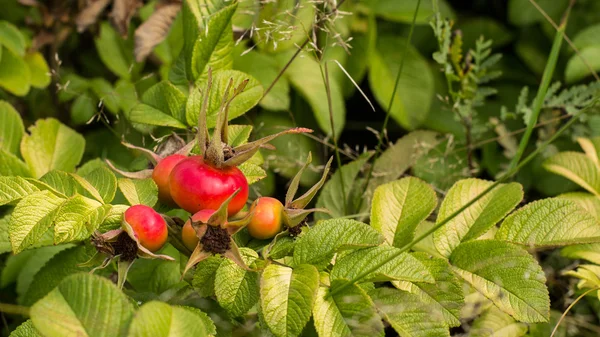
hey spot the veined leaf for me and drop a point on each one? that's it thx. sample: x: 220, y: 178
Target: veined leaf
x: 589, y: 202
x: 113, y: 218
x: 407, y: 314
x: 15, y: 188
x: 29, y: 267
x: 32, y: 220
x: 115, y: 52
x: 51, y: 146
x: 322, y: 241
x: 507, y: 275
x: 156, y: 275
x: 495, y: 323
x: 11, y: 165
x: 11, y: 128
x: 70, y: 184
x: 576, y: 167
x: 14, y: 73
x: 398, y: 208
x: 83, y: 305
x: 479, y: 217
x: 445, y: 295
x: 102, y: 179
x: 78, y: 218
x: 287, y: 297
x: 403, y: 267
x: 4, y: 239
x: 26, y: 330
x: 163, y: 104
x: 348, y: 313
x: 238, y: 134
x: 252, y: 172
x: 237, y: 289
x: 139, y: 191
x: 549, y: 223
x: 158, y: 319
x: 204, y: 277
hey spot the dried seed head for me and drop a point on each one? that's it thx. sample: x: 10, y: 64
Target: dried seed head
x: 126, y: 247
x: 216, y: 240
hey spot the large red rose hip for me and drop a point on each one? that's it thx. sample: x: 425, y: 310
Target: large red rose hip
x: 195, y: 185
x: 161, y: 174
x: 148, y: 226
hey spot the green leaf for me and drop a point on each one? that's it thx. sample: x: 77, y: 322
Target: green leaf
x: 26, y: 330
x: 11, y: 165
x: 139, y: 192
x: 204, y: 277
x: 287, y: 297
x: 102, y: 179
x: 51, y: 146
x: 167, y: 98
x: 4, y: 238
x: 78, y: 218
x: 69, y: 184
x: 61, y: 265
x: 284, y: 24
x: 158, y: 319
x: 415, y: 88
x: 35, y: 262
x: 403, y: 11
x: 347, y: 313
x: 14, y: 189
x: 83, y: 305
x: 495, y: 323
x: 238, y: 134
x: 577, y: 69
x: 322, y: 241
x: 331, y: 196
x: 399, y: 206
x: 445, y: 295
x: 40, y: 73
x: 106, y: 94
x: 407, y: 314
x: 11, y: 128
x: 265, y: 69
x: 32, y: 220
x: 252, y: 172
x: 550, y: 223
x: 587, y: 37
x: 14, y: 73
x: 576, y: 167
x: 113, y: 219
x: 12, y: 38
x: 402, y: 267
x: 523, y: 12
x: 473, y: 29
x: 239, y: 105
x: 115, y: 53
x: 476, y: 219
x: 83, y: 109
x: 305, y: 76
x: 145, y: 114
x: 156, y: 275
x: 237, y: 289
x: 589, y: 202
x: 507, y: 275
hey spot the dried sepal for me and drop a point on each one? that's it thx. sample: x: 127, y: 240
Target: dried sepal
x: 153, y: 157
x: 197, y: 256
x: 202, y: 126
x: 291, y: 192
x: 234, y: 255
x: 142, y: 251
x: 143, y: 174
x: 236, y: 225
x: 219, y: 217
x: 123, y: 267
x: 293, y: 217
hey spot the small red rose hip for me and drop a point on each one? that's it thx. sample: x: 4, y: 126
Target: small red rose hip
x: 160, y: 175
x: 188, y: 234
x: 148, y: 226
x: 267, y: 219
x: 196, y: 185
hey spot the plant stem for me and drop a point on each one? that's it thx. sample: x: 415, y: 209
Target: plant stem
x: 569, y: 308
x: 504, y: 177
x: 543, y: 89
x: 14, y: 309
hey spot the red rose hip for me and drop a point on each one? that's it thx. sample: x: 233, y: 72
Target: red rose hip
x: 267, y: 219
x: 148, y: 226
x: 160, y: 175
x: 195, y: 185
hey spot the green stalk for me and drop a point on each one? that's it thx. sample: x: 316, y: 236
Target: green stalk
x: 14, y: 309
x: 504, y: 177
x: 543, y: 89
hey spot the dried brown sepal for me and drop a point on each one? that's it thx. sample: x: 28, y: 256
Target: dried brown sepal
x: 219, y: 218
x: 121, y: 14
x: 143, y: 174
x: 89, y: 15
x: 154, y: 30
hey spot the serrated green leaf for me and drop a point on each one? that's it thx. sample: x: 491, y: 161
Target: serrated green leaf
x: 238, y: 134
x: 415, y: 88
x: 14, y: 73
x: 40, y: 73
x: 239, y: 105
x: 145, y: 114
x: 78, y: 218
x: 476, y: 219
x: 15, y: 188
x: 322, y: 241
x: 237, y: 289
x: 402, y: 267
x: 495, y: 323
x: 445, y: 295
x: 550, y: 223
x: 35, y: 262
x: 166, y: 98
x: 55, y: 270
x: 25, y: 330
x: 305, y: 76
x: 32, y: 220
x: 287, y: 297
x: 576, y: 167
x: 347, y: 313
x: 4, y: 239
x: 69, y: 184
x: 11, y: 165
x: 398, y: 208
x: 252, y: 172
x: 139, y: 192
x: 11, y: 128
x: 115, y: 52
x: 158, y: 319
x: 507, y: 275
x: 102, y: 179
x: 589, y: 202
x: 156, y: 275
x: 113, y: 219
x: 407, y: 314
x: 331, y: 196
x: 204, y: 277
x: 83, y: 305
x: 51, y: 146
x: 12, y: 38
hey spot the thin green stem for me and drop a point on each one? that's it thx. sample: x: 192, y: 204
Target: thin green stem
x: 569, y: 308
x: 391, y: 103
x: 14, y: 309
x: 504, y: 177
x: 541, y: 94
